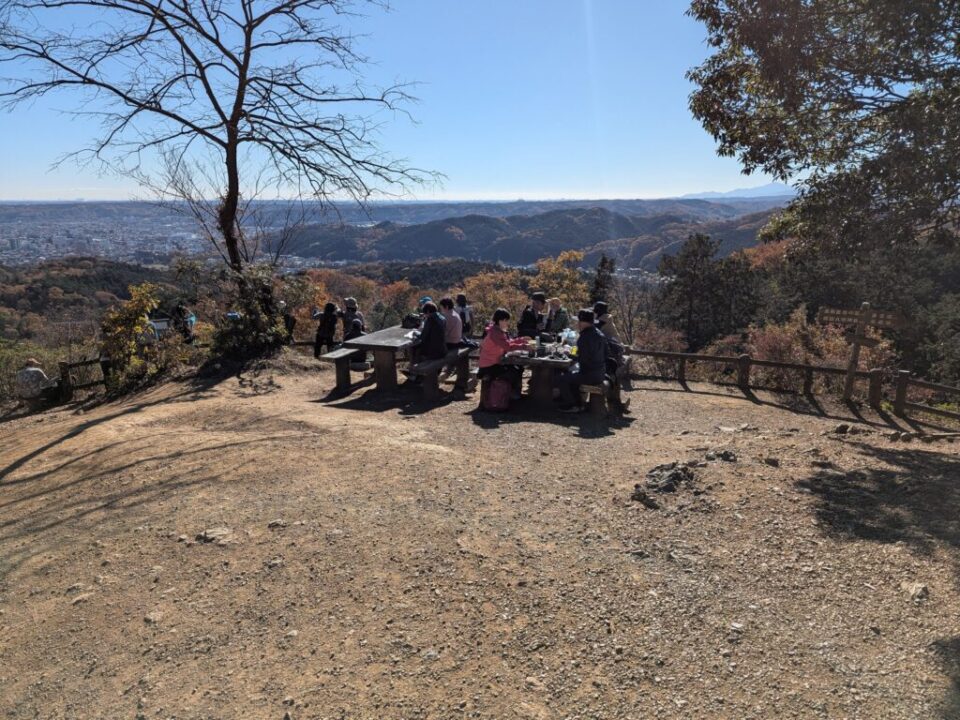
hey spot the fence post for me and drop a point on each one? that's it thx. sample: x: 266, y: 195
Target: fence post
x: 743, y: 372
x: 66, y: 382
x: 682, y: 371
x: 900, y: 401
x: 808, y: 381
x: 876, y: 388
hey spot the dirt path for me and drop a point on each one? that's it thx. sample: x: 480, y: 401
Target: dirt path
x: 385, y: 560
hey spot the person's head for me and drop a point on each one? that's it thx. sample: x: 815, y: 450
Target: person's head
x: 31, y: 362
x: 554, y: 303
x: 356, y: 325
x: 600, y: 308
x: 350, y: 303
x: 462, y: 300
x: 538, y: 300
x: 446, y: 304
x: 585, y: 319
x: 424, y: 300
x: 330, y: 308
x: 501, y: 318
x: 428, y: 308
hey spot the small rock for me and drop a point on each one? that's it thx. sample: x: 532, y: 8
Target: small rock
x: 278, y: 523
x: 772, y: 462
x: 292, y: 634
x: 917, y: 591
x: 152, y: 618
x: 76, y: 587
x: 288, y: 700
x: 275, y: 562
x: 430, y: 654
x: 842, y: 429
x: 216, y: 535
x: 81, y: 598
x: 641, y: 496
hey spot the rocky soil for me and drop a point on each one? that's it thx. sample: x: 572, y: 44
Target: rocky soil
x: 249, y: 550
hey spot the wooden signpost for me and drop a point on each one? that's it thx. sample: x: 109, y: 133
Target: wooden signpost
x: 859, y: 320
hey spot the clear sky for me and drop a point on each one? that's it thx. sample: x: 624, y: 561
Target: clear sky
x: 517, y: 99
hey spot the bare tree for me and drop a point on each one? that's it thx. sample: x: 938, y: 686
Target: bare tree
x: 632, y: 299
x: 208, y: 102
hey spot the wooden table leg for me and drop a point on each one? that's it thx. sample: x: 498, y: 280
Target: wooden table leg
x: 541, y: 385
x: 385, y: 369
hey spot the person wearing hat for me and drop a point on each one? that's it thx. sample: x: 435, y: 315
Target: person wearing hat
x: 591, y: 362
x: 33, y: 385
x: 532, y: 319
x: 605, y: 321
x: 351, y: 313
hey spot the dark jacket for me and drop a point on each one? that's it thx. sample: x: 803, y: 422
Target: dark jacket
x: 592, y: 355
x: 432, y: 342
x: 531, y: 322
x: 327, y: 326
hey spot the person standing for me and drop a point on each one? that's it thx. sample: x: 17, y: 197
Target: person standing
x: 591, y: 362
x: 351, y: 313
x: 326, y: 329
x: 466, y: 314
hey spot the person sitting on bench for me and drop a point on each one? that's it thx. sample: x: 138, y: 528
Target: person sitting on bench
x: 432, y: 344
x: 532, y: 318
x: 355, y: 330
x: 326, y: 329
x: 495, y: 344
x: 591, y: 363
x: 453, y: 332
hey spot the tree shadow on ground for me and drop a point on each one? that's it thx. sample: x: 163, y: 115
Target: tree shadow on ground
x: 914, y: 498
x: 799, y: 404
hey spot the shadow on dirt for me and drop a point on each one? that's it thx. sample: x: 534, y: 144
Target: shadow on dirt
x: 948, y: 653
x: 914, y: 500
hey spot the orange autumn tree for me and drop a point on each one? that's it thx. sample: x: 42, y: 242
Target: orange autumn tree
x: 561, y: 277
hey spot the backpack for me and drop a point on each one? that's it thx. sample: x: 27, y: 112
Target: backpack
x: 411, y: 321
x: 497, y: 395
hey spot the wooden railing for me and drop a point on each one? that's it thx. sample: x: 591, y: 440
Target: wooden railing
x: 745, y: 363
x: 901, y: 404
x: 67, y: 386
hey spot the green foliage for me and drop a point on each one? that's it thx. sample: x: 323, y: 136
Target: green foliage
x: 13, y: 355
x: 864, y: 95
x: 127, y: 337
x: 704, y: 296
x: 603, y: 279
x: 259, y: 330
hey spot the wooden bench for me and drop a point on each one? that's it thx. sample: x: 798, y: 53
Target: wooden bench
x: 342, y: 358
x: 596, y: 397
x: 429, y: 370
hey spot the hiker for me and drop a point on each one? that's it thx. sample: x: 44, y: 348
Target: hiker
x: 558, y: 319
x: 453, y: 333
x: 431, y: 345
x: 326, y: 329
x: 289, y: 321
x: 183, y: 321
x: 591, y: 362
x: 33, y: 385
x: 495, y: 344
x: 466, y: 314
x: 351, y: 313
x: 355, y: 330
x: 605, y: 321
x: 532, y: 319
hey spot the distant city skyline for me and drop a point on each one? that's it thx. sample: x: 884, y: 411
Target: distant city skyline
x: 545, y: 99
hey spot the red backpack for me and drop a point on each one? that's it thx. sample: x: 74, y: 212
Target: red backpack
x: 497, y: 395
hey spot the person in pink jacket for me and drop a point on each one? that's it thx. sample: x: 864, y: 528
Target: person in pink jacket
x: 495, y: 344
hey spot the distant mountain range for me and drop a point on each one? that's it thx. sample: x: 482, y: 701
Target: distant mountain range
x: 775, y: 189
x: 634, y: 240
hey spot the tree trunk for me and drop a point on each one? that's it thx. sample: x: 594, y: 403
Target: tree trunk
x: 227, y: 213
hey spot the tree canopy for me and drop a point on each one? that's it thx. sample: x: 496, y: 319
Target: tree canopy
x: 859, y: 99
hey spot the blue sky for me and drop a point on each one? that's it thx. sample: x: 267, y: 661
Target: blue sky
x: 517, y: 99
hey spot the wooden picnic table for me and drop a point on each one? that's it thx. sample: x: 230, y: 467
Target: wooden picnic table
x: 384, y: 344
x: 542, y: 370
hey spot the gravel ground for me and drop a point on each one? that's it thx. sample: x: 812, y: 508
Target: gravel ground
x: 249, y: 550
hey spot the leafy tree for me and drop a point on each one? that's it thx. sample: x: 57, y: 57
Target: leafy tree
x: 705, y: 297
x: 561, y: 277
x: 860, y: 97
x: 229, y: 100
x: 491, y: 290
x: 603, y: 279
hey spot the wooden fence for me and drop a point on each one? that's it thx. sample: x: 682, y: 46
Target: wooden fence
x: 67, y: 377
x: 901, y: 404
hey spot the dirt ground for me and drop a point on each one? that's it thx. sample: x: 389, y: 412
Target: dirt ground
x: 248, y: 549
